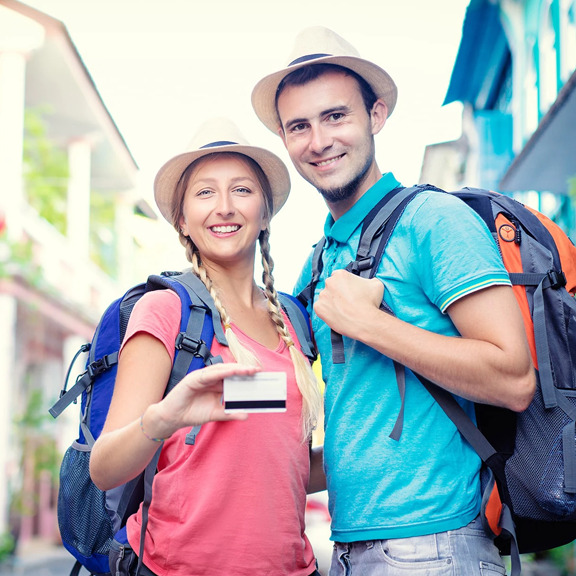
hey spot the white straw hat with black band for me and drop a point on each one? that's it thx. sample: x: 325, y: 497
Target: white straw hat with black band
x: 320, y: 45
x: 219, y: 135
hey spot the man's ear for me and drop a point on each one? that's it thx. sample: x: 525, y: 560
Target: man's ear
x: 378, y: 116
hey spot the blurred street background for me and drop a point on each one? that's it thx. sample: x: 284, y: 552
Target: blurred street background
x: 487, y: 98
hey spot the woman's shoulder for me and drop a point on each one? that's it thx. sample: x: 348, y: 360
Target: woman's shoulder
x: 156, y: 308
x: 163, y: 299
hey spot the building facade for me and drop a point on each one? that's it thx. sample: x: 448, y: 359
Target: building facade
x: 515, y: 76
x: 68, y: 196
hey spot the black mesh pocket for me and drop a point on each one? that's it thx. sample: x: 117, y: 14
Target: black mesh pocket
x: 570, y: 315
x: 535, y: 472
x: 84, y: 523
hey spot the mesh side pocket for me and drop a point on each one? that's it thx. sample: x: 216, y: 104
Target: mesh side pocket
x: 535, y: 473
x: 555, y: 500
x: 84, y: 523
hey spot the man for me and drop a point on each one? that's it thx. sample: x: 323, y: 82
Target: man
x: 406, y: 506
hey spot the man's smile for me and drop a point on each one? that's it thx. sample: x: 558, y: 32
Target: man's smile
x: 327, y: 162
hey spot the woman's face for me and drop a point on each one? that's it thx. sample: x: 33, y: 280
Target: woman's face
x: 224, y: 209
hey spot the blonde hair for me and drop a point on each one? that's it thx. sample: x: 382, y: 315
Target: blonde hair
x: 305, y: 377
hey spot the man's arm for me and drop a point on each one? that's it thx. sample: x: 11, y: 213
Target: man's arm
x: 489, y: 363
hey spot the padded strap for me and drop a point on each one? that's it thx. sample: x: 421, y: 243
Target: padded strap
x: 461, y: 420
x: 149, y: 474
x: 191, y: 436
x: 191, y: 281
x: 543, y: 349
x: 189, y: 345
x: 300, y: 323
x: 401, y: 382
x: 376, y: 224
x: 306, y: 296
x: 376, y: 231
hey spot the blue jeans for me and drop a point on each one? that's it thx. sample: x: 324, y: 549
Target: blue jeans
x: 468, y: 551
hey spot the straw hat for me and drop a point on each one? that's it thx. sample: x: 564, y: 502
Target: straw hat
x: 318, y: 45
x: 219, y: 135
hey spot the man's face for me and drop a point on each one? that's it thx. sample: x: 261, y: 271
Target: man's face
x: 329, y: 135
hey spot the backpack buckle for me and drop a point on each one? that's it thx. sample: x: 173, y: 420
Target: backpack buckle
x: 98, y: 366
x: 557, y: 279
x: 192, y: 345
x: 361, y: 264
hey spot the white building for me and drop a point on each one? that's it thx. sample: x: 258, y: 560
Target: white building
x: 52, y: 291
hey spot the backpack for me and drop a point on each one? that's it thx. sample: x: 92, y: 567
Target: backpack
x: 529, y: 473
x: 89, y: 518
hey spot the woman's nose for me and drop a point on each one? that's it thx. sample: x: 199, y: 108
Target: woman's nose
x: 225, y: 204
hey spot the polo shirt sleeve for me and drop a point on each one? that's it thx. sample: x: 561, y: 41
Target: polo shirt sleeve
x: 457, y: 251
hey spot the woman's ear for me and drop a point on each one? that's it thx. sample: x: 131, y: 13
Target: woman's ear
x: 182, y: 226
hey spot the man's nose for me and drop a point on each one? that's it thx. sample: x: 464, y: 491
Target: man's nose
x: 320, y: 139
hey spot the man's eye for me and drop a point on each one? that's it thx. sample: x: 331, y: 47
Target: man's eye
x: 298, y: 128
x: 336, y: 116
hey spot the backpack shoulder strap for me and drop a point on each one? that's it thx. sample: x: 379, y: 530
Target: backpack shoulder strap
x: 196, y: 292
x: 301, y: 323
x: 376, y: 231
x: 306, y: 296
x: 377, y: 228
x: 200, y: 323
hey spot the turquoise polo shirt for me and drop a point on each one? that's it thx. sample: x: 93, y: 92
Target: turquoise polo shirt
x: 428, y: 481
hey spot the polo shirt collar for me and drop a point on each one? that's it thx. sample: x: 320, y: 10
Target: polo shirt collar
x: 342, y: 229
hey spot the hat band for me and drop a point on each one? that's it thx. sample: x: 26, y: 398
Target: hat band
x: 219, y: 143
x: 307, y: 58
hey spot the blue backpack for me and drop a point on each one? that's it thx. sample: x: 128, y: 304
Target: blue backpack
x: 529, y: 472
x: 89, y: 518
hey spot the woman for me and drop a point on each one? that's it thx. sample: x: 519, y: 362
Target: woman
x: 234, y: 502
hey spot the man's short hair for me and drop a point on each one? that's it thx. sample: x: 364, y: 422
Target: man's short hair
x: 306, y: 74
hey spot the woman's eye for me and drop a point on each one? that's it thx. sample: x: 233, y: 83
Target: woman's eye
x: 243, y: 190
x: 205, y: 192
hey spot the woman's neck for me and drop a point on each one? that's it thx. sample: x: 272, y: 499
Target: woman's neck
x: 236, y: 286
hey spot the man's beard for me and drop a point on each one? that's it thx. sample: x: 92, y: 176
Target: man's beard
x: 348, y: 190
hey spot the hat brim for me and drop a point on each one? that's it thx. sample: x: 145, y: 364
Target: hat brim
x: 170, y: 173
x: 264, y: 93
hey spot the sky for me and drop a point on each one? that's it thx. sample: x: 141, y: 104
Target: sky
x: 162, y: 68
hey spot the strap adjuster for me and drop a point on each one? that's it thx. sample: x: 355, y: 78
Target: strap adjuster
x: 557, y: 279
x: 194, y: 346
x: 98, y: 366
x: 362, y: 264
